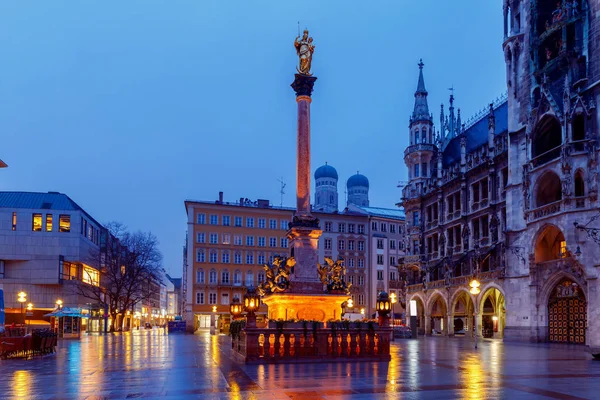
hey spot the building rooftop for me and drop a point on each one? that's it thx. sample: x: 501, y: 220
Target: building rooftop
x: 477, y: 134
x: 44, y: 201
x: 383, y: 212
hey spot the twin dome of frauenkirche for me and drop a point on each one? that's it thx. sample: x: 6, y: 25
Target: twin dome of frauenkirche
x: 327, y: 171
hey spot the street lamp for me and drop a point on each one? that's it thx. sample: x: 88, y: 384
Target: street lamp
x: 22, y: 298
x: 393, y: 300
x: 474, y: 284
x: 362, y: 311
x: 251, y: 304
x: 30, y: 311
x: 59, y: 304
x: 383, y: 308
x: 235, y: 308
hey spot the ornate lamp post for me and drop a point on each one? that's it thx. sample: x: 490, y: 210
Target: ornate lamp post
x: 29, y: 311
x: 474, y: 289
x: 393, y: 299
x: 251, y: 304
x: 384, y: 306
x: 59, y: 304
x: 22, y: 298
x: 235, y: 308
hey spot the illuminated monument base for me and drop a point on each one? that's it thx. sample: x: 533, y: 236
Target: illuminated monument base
x: 316, y: 307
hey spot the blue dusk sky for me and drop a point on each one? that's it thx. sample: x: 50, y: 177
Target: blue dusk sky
x: 131, y: 107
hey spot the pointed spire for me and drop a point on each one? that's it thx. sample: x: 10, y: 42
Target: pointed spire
x: 421, y: 110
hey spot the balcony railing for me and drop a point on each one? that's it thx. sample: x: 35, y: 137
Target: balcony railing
x: 475, y: 206
x: 418, y: 147
x: 295, y: 344
x: 545, y: 211
x: 546, y: 157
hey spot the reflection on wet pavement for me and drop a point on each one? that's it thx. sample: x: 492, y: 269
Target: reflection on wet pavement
x: 149, y: 364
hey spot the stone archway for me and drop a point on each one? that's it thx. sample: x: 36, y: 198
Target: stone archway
x: 437, y: 311
x: 492, y: 312
x: 462, y: 310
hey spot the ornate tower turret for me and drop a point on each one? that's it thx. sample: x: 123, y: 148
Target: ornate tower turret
x: 419, y: 155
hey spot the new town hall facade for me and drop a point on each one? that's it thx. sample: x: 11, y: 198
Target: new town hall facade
x: 511, y: 197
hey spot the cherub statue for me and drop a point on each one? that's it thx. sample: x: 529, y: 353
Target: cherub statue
x: 323, y: 271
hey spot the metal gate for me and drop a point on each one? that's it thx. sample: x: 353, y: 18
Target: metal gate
x: 567, y: 314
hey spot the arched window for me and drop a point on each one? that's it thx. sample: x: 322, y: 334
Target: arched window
x: 200, y: 275
x: 548, y: 189
x: 578, y: 127
x: 237, y: 277
x: 550, y: 245
x: 225, y: 276
x: 250, y: 278
x: 547, y: 136
x: 579, y: 184
x: 416, y: 136
x: 212, y: 276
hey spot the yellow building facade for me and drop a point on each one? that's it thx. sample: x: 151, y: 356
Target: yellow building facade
x: 228, y: 244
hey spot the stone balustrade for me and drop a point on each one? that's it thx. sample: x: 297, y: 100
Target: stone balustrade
x: 337, y: 342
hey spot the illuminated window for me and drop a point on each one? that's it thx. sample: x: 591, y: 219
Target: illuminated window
x: 14, y: 221
x: 563, y: 249
x: 64, y: 223
x: 36, y: 225
x: 48, y: 222
x: 91, y: 276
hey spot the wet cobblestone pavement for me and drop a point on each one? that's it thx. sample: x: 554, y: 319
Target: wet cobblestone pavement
x: 153, y: 365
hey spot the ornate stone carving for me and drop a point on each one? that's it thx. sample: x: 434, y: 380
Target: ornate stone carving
x: 277, y: 276
x: 526, y: 187
x: 304, y: 222
x: 303, y: 85
x: 333, y: 275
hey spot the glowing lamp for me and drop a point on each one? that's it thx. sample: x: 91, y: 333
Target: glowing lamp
x: 59, y: 303
x: 393, y: 298
x: 494, y: 318
x: 30, y: 307
x: 235, y: 308
x: 413, y: 308
x: 22, y: 297
x: 383, y: 304
x: 214, y: 309
x: 474, y: 283
x: 362, y: 311
x: 251, y: 301
x: 350, y: 303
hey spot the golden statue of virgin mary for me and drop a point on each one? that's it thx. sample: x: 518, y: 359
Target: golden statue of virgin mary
x: 305, y: 49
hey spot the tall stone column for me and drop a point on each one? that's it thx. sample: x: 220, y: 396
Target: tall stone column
x: 450, y: 325
x: 303, y: 86
x: 304, y: 230
x: 427, y: 325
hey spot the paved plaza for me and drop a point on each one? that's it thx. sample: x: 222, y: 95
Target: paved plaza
x: 149, y: 364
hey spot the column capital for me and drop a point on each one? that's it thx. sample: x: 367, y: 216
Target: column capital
x: 303, y: 98
x: 303, y: 85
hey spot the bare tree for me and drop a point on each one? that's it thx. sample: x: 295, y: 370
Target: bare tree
x: 130, y: 271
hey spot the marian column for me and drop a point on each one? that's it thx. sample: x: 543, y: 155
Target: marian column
x: 304, y: 230
x: 302, y: 288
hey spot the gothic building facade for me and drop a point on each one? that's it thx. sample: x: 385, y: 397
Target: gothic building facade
x: 516, y: 211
